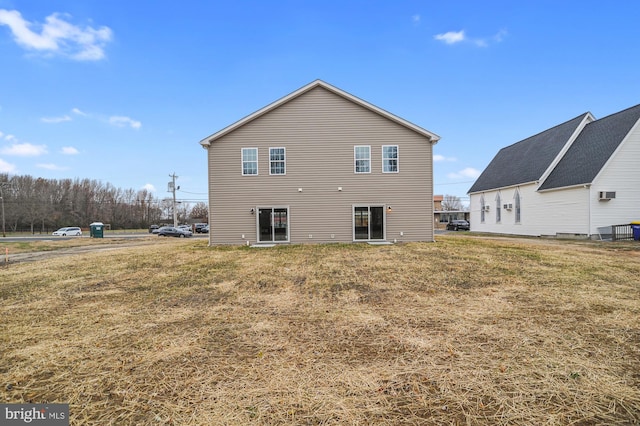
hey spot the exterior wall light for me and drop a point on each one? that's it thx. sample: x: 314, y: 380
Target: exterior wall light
x: 252, y: 211
x: 388, y: 209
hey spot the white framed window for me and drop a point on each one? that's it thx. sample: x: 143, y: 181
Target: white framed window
x: 277, y: 161
x: 390, y: 159
x: 249, y: 161
x: 517, y: 203
x: 498, y: 211
x: 362, y: 159
x: 482, y: 209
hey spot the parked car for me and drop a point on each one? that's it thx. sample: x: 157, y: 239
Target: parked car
x: 153, y: 229
x: 455, y: 225
x: 198, y: 227
x: 69, y: 230
x: 205, y: 229
x: 170, y: 231
x: 185, y: 227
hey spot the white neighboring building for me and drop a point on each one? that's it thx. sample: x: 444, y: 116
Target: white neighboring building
x: 575, y: 179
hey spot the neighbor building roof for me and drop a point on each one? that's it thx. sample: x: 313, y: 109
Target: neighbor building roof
x: 206, y: 142
x: 592, y: 149
x: 527, y: 160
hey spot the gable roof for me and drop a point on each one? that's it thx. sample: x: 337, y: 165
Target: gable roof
x: 527, y: 160
x: 592, y: 149
x: 206, y: 142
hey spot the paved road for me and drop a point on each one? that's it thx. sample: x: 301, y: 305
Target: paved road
x: 43, y: 237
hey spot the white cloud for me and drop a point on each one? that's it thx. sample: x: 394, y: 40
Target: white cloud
x: 6, y: 167
x: 500, y: 36
x: 78, y: 112
x: 24, y: 150
x: 10, y: 138
x: 439, y: 158
x: 468, y: 172
x: 50, y: 166
x: 416, y: 19
x: 1, y: 134
x: 149, y: 187
x: 54, y: 120
x: 69, y: 150
x: 57, y: 36
x: 120, y: 121
x: 451, y: 37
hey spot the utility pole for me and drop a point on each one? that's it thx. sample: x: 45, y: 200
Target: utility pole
x: 4, y: 234
x: 172, y: 189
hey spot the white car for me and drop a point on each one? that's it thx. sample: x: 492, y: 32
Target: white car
x: 71, y: 230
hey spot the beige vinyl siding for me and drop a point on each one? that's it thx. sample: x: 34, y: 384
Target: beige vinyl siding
x: 319, y: 130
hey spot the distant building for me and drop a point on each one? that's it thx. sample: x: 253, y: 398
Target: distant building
x: 442, y: 217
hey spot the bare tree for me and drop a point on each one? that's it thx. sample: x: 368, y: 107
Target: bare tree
x: 451, y: 203
x: 200, y: 212
x: 49, y: 203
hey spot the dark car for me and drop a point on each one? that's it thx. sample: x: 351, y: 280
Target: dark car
x: 455, y: 225
x: 199, y: 227
x: 170, y: 231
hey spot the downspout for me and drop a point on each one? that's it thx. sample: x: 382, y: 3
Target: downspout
x: 588, y: 187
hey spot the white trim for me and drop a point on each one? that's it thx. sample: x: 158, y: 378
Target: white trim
x: 272, y: 208
x: 368, y: 206
x: 285, y: 160
x: 615, y: 152
x: 503, y: 188
x: 206, y: 142
x: 397, y: 158
x: 355, y: 168
x: 242, y: 162
x: 588, y: 118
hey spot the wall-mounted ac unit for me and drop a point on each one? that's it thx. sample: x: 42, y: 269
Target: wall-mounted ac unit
x: 606, y: 195
x: 507, y: 206
x: 486, y: 208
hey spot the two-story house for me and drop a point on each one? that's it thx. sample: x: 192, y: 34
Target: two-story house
x: 320, y: 165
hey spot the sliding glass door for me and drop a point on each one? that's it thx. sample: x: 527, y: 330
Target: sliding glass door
x: 368, y: 223
x: 273, y: 224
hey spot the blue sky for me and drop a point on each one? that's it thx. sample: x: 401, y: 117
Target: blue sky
x: 123, y: 91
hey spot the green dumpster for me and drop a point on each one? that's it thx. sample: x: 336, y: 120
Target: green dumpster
x: 96, y: 230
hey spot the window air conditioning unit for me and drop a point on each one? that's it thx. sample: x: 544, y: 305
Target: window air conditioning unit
x: 606, y: 195
x: 486, y: 208
x: 507, y: 206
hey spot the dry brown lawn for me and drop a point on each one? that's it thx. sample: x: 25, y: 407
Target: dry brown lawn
x: 464, y: 331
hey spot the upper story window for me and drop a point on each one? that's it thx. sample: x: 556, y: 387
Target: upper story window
x: 277, y: 161
x: 249, y: 161
x: 389, y: 158
x: 362, y: 159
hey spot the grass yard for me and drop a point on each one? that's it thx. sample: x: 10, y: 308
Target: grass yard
x: 464, y: 331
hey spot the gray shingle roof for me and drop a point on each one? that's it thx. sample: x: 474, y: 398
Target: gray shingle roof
x: 526, y: 160
x: 591, y: 150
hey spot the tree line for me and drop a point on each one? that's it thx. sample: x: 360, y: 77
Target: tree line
x: 39, y: 205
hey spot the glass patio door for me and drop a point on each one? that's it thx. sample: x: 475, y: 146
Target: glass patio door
x: 273, y: 224
x: 368, y: 223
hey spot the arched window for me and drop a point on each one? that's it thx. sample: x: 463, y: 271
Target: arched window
x: 517, y: 203
x: 498, y: 212
x: 482, y: 208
